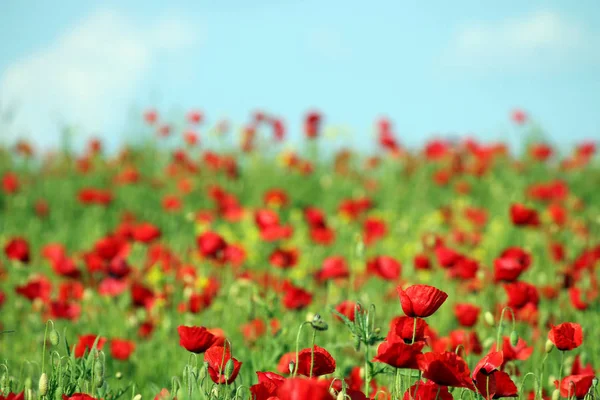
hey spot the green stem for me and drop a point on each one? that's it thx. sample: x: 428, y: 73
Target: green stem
x: 298, y: 347
x: 562, y: 363
x: 414, y: 335
x: 312, y: 352
x: 498, y: 334
x: 367, y: 374
x: 540, y: 388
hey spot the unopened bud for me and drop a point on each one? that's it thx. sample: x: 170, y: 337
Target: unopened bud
x: 118, y: 375
x: 318, y: 323
x: 202, y: 373
x: 229, y: 369
x: 594, y: 382
x: 137, y: 397
x: 514, y: 338
x: 54, y: 337
x: 556, y: 394
x: 488, y: 317
x: 292, y: 366
x: 43, y: 384
x: 549, y: 346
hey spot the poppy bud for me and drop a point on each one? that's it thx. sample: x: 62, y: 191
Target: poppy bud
x: 43, y: 384
x: 292, y: 366
x: 594, y: 382
x: 549, y: 346
x: 137, y: 397
x: 28, y: 383
x: 514, y: 338
x: 99, y: 372
x: 229, y: 369
x: 54, y: 337
x: 488, y: 317
x: 202, y: 373
x: 118, y: 375
x: 318, y: 324
x: 556, y: 394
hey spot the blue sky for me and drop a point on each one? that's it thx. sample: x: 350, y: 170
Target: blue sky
x: 449, y: 68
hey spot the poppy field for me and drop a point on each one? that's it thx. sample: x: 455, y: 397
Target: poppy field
x: 171, y: 269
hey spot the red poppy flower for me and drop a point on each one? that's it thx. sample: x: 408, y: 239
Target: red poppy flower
x: 575, y: 386
x: 495, y: 386
x: 78, y: 396
x: 421, y: 261
x: 466, y: 314
x: 253, y: 330
x: 195, y: 116
x: 95, y: 196
x: 10, y: 183
x: 304, y: 388
x: 66, y: 267
x: 217, y: 358
x: 446, y: 369
x: 575, y: 294
x: 519, y: 352
x: 334, y: 267
x: 275, y: 197
x: 267, y: 386
x: 523, y: 216
x: 403, y: 327
x: 121, y: 349
x: 427, y: 391
x: 196, y: 339
x: 86, y: 342
x: 151, y: 116
x: 373, y: 230
x: 421, y: 300
x: 17, y: 249
x: 488, y: 364
x: 566, y: 336
x: 518, y: 116
x: 284, y: 259
x: 467, y: 339
x: 511, y: 264
x: 399, y: 354
x: 36, y: 288
x: 323, y: 362
x: 346, y: 308
x: 296, y: 298
x: 312, y: 124
x: 385, y: 267
x: 141, y: 296
x: 579, y: 369
x: 211, y: 245
x: 65, y: 310
x: 13, y: 396
x: 541, y: 151
x: 145, y: 233
x: 520, y: 294
x: 283, y: 366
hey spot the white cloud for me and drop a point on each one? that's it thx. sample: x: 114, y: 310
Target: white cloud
x: 89, y: 74
x: 543, y: 40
